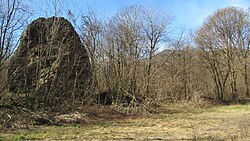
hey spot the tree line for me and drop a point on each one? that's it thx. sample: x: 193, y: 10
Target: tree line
x: 128, y: 66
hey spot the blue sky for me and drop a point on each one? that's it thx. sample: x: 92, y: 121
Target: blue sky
x: 186, y: 13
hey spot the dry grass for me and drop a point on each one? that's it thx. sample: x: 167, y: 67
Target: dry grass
x: 217, y: 123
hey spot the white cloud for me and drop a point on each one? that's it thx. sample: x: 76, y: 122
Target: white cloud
x: 240, y: 3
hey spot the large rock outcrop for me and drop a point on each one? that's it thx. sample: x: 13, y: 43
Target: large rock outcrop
x: 50, y: 60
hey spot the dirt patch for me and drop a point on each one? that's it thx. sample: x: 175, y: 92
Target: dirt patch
x: 99, y: 113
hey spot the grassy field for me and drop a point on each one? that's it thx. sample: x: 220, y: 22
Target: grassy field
x: 217, y: 123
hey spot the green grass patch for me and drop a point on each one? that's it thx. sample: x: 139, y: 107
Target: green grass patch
x: 245, y: 107
x: 237, y: 107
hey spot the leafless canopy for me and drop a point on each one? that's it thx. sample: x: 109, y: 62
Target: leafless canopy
x: 224, y: 40
x: 13, y: 17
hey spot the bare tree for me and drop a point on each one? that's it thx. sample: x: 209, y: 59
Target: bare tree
x: 53, y: 8
x: 155, y: 28
x: 13, y: 17
x: 132, y: 38
x: 221, y: 36
x: 184, y: 62
x: 91, y: 31
x: 125, y: 43
x: 244, y: 45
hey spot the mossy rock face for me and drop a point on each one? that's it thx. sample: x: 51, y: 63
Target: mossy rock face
x: 50, y: 59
